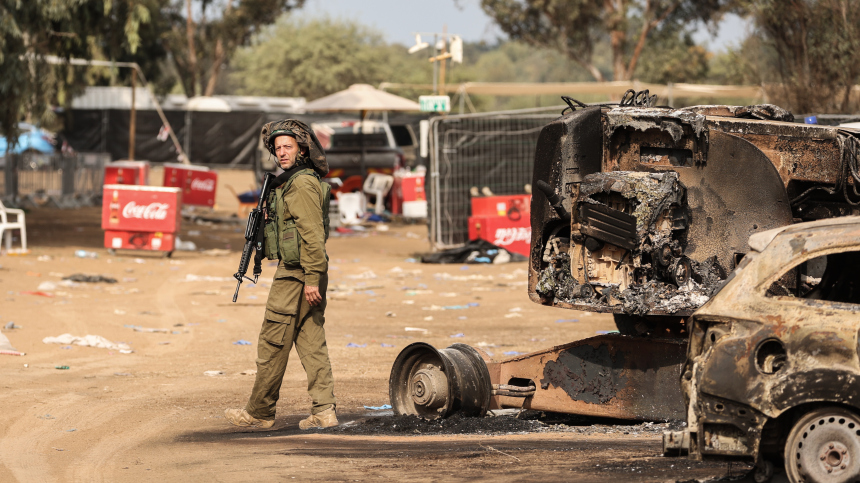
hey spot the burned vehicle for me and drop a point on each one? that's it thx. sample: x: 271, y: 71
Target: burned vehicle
x: 642, y: 212
x: 772, y: 372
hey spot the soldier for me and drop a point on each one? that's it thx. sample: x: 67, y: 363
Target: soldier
x: 296, y: 231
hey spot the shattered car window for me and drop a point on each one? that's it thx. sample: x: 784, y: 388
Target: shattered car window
x: 832, y: 278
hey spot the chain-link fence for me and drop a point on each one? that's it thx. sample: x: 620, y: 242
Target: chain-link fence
x: 69, y: 180
x: 486, y: 152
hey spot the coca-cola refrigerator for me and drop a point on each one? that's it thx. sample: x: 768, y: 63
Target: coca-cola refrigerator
x: 127, y: 172
x: 198, y: 183
x: 141, y: 217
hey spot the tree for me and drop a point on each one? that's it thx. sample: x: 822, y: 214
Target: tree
x: 816, y: 51
x: 318, y: 57
x: 206, y: 33
x: 33, y: 29
x: 575, y: 27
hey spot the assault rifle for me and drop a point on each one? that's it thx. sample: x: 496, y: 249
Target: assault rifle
x: 254, y: 232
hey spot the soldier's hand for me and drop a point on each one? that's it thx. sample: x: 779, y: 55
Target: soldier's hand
x: 312, y: 294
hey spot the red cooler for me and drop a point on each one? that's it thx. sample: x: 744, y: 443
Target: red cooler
x: 127, y: 172
x: 409, y: 197
x: 504, y: 221
x: 198, y: 183
x: 141, y: 217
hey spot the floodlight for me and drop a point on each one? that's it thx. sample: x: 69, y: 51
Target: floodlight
x: 419, y: 45
x: 457, y: 49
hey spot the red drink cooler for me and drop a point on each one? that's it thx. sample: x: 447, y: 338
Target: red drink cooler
x: 141, y: 217
x: 198, y: 183
x: 409, y: 196
x: 504, y: 221
x: 127, y: 172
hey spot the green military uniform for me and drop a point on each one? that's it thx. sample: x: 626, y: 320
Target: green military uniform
x: 290, y: 319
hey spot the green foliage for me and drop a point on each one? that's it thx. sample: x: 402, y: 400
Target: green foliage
x: 33, y: 29
x: 812, y: 47
x: 670, y: 57
x: 221, y: 28
x: 314, y: 58
x: 576, y: 27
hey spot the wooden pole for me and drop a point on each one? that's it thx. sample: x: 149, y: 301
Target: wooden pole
x: 132, y: 128
x: 444, y: 58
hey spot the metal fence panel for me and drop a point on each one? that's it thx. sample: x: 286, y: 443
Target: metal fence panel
x: 492, y: 150
x: 65, y: 178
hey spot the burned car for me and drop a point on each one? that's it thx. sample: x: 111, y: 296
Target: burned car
x: 772, y: 372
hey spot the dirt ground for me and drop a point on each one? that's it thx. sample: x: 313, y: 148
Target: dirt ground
x: 153, y: 414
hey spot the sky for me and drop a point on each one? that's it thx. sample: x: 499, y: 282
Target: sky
x: 398, y: 20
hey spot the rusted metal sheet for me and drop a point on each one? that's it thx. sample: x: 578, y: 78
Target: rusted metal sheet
x: 609, y: 375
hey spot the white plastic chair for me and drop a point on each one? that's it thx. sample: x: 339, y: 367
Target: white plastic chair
x: 7, y: 226
x: 378, y: 185
x: 350, y: 207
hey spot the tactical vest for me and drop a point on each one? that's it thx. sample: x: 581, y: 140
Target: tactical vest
x: 282, y: 239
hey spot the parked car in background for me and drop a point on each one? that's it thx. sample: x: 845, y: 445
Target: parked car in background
x: 772, y: 373
x: 343, y: 140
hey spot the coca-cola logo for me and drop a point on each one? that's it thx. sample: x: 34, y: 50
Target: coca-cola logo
x: 506, y: 236
x: 198, y: 184
x: 152, y: 211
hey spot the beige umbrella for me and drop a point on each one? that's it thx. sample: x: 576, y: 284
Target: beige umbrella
x: 362, y: 98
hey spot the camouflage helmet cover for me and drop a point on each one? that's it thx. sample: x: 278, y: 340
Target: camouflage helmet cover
x: 304, y: 136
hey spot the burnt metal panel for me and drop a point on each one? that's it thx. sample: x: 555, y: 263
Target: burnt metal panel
x: 611, y: 226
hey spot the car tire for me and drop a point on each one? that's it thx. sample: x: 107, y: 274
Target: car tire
x: 824, y: 446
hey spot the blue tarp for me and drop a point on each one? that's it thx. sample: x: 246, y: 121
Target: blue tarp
x: 31, y: 138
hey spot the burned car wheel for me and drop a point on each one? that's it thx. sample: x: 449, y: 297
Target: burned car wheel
x: 824, y: 446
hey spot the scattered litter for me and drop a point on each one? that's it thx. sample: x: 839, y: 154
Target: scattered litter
x: 378, y: 408
x: 390, y: 314
x: 248, y: 372
x: 564, y: 321
x: 515, y: 309
x: 38, y: 293
x: 418, y: 292
x: 122, y: 374
x: 193, y: 232
x: 6, y: 347
x: 185, y: 246
x: 66, y: 347
x: 11, y: 325
x: 474, y: 251
x: 368, y: 275
x: 428, y: 318
x: 139, y: 261
x: 408, y: 302
x: 385, y: 345
x: 416, y: 329
x: 213, y: 373
x: 119, y: 311
x: 241, y: 342
x: 604, y: 332
x: 44, y: 258
x: 448, y: 294
x: 206, y: 278
x: 62, y: 368
x: 82, y: 277
x: 86, y: 254
x: 33, y: 274
x: 129, y: 279
x: 138, y: 328
x: 164, y: 342
x: 47, y: 286
x: 47, y: 416
x: 381, y: 227
x: 513, y: 353
x: 462, y: 317
x: 87, y: 341
x: 485, y: 344
x: 353, y: 344
x: 71, y: 430
x: 512, y: 315
x: 458, y: 335
x: 411, y: 260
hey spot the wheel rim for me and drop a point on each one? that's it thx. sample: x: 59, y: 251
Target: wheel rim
x: 434, y: 384
x: 824, y: 446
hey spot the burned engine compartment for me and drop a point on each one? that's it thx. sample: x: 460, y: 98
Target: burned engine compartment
x: 645, y: 211
x: 626, y: 247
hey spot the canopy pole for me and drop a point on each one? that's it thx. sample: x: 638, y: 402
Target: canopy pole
x: 361, y: 143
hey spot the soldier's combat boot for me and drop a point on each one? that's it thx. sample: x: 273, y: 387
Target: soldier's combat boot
x: 240, y: 417
x: 324, y: 419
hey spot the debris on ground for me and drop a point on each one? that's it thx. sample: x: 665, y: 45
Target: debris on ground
x: 6, y: 346
x: 474, y: 251
x: 88, y: 341
x: 82, y: 277
x: 213, y: 373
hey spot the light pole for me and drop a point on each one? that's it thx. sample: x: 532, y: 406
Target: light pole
x: 441, y: 41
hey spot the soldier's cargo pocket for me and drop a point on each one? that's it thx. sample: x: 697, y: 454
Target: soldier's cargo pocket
x: 274, y: 331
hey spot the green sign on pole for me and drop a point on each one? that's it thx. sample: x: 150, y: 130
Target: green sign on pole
x: 435, y: 103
